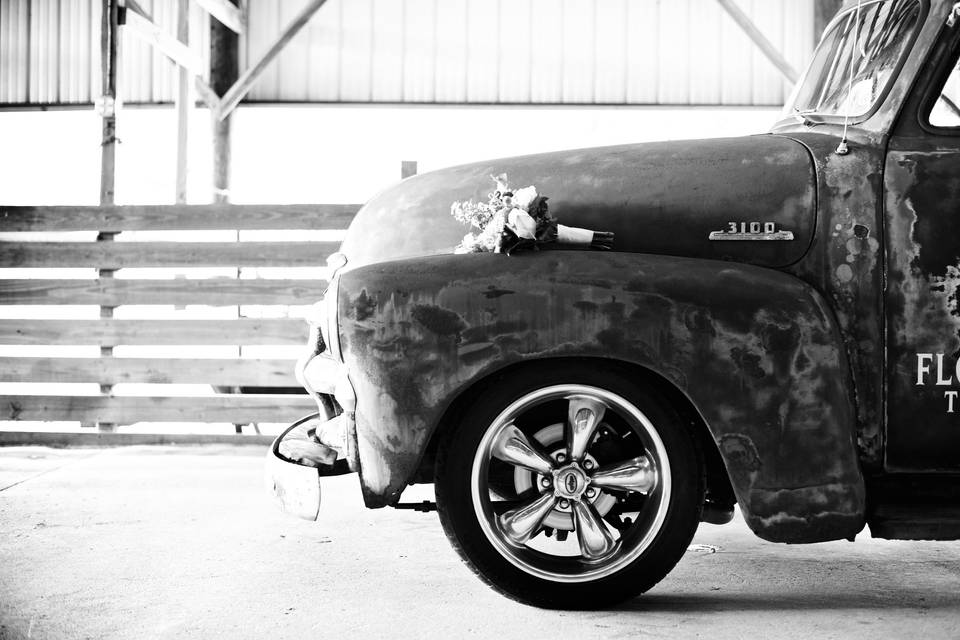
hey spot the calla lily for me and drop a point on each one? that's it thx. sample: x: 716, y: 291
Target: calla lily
x: 522, y: 224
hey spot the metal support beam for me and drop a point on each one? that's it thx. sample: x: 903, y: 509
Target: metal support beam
x: 232, y: 98
x: 770, y: 51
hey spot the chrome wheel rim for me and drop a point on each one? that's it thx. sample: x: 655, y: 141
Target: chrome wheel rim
x: 532, y: 488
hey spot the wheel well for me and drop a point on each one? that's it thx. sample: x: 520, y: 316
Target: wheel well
x: 719, y: 490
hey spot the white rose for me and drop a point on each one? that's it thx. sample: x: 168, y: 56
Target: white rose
x: 523, y: 198
x: 522, y: 224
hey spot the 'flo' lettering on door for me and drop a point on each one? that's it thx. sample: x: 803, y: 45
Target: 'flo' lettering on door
x: 932, y: 370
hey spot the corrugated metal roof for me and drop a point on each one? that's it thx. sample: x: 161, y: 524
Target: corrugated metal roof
x: 477, y: 51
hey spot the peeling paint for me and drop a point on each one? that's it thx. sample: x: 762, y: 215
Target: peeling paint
x: 923, y: 191
x: 740, y: 448
x: 755, y: 351
x: 438, y: 320
x: 364, y: 306
x: 845, y: 264
x: 492, y: 292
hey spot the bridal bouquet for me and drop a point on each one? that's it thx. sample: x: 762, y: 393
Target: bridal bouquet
x: 516, y: 220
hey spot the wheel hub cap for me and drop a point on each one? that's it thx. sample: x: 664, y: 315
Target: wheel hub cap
x: 568, y: 489
x: 569, y: 482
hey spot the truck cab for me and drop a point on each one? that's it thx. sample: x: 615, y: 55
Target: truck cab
x: 776, y: 327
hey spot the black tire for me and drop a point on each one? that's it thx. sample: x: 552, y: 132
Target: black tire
x: 458, y: 452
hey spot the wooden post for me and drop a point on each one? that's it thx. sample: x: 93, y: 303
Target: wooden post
x: 109, y: 37
x: 224, y: 71
x: 109, y: 45
x: 408, y: 168
x: 226, y: 12
x: 183, y: 102
x: 823, y: 12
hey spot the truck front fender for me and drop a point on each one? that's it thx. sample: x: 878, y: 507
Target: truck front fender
x: 756, y: 352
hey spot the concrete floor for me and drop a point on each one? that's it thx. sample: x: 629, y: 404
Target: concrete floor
x: 180, y: 542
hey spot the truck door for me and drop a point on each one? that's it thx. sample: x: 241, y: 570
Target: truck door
x: 922, y: 212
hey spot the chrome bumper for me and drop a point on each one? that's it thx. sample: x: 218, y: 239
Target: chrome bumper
x: 321, y: 444
x: 306, y: 451
x: 294, y: 487
x: 317, y: 445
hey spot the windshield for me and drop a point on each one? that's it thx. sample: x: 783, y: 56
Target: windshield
x: 877, y: 39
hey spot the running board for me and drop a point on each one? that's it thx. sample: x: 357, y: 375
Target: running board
x: 915, y: 522
x: 914, y: 506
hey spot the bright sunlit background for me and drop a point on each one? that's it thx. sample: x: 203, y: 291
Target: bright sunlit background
x: 366, y: 85
x: 329, y: 153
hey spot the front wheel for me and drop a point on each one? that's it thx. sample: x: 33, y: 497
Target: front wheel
x: 569, y: 487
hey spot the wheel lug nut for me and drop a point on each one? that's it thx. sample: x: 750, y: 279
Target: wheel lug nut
x: 590, y: 492
x: 564, y: 504
x: 561, y: 457
x: 545, y: 482
x: 588, y: 465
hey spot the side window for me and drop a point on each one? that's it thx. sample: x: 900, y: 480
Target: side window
x: 946, y: 109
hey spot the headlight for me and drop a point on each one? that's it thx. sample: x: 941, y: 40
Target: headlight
x: 327, y: 320
x: 324, y: 335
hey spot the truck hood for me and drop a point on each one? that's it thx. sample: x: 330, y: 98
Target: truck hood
x: 661, y: 197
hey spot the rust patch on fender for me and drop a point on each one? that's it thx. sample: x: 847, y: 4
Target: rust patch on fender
x: 740, y: 451
x: 755, y: 350
x: 440, y: 321
x: 845, y: 265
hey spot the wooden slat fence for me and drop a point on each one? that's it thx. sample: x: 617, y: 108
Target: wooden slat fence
x: 219, y: 373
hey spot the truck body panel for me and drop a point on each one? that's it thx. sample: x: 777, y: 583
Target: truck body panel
x: 757, y: 353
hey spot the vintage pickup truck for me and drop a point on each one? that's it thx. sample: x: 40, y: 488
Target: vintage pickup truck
x: 777, y: 327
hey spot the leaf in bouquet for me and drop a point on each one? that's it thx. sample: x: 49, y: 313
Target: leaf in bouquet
x: 539, y: 208
x: 511, y: 243
x: 546, y: 230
